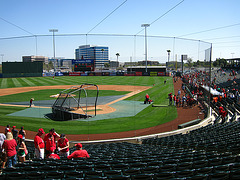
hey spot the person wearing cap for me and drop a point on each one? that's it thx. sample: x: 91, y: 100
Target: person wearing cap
x: 39, y: 144
x: 7, y: 129
x: 15, y: 133
x: 9, y: 146
x: 79, y: 153
x: 53, y: 156
x: 50, y: 141
x: 63, y: 146
x: 21, y: 148
x: 23, y: 133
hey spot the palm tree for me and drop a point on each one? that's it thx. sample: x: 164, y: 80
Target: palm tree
x: 168, y: 51
x: 117, y: 60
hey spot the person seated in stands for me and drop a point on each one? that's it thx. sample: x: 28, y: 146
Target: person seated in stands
x: 53, y: 156
x: 215, y: 100
x: 63, y: 146
x: 222, y: 112
x: 79, y: 153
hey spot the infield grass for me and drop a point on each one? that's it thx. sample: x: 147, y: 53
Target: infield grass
x: 149, y: 117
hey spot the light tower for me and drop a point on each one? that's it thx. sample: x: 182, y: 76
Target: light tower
x: 145, y: 26
x: 53, y: 31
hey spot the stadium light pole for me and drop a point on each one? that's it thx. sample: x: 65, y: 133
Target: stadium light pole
x: 53, y: 31
x: 145, y: 26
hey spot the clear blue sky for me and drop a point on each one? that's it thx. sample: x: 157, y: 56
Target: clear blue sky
x: 28, y: 17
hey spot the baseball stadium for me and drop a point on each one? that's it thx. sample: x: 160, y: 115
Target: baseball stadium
x: 170, y: 113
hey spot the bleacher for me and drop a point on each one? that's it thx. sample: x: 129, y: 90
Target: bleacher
x: 206, y: 153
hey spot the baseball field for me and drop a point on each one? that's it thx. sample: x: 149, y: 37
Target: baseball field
x: 124, y: 95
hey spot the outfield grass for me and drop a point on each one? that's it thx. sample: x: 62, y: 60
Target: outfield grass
x: 147, y: 118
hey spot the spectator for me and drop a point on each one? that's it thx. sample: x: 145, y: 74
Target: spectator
x: 53, y: 156
x: 22, y: 149
x: 63, y: 146
x: 170, y: 98
x: 7, y: 129
x: 9, y: 145
x: 23, y: 133
x: 39, y: 144
x: 15, y: 133
x: 79, y: 152
x: 174, y: 99
x: 50, y: 141
x: 2, y: 154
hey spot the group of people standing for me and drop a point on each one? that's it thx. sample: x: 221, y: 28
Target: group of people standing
x: 178, y: 101
x: 55, y: 146
x: 12, y: 145
x: 13, y: 148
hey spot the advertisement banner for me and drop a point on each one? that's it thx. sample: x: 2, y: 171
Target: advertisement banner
x: 161, y: 74
x: 81, y: 61
x: 74, y: 74
x: 138, y: 73
x: 153, y: 73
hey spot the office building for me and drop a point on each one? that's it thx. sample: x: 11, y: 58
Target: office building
x: 35, y: 59
x: 97, y: 53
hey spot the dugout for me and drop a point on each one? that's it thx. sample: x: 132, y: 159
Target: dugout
x: 151, y: 70
x: 22, y: 69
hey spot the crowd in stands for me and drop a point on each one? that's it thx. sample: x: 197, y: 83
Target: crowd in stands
x: 50, y: 146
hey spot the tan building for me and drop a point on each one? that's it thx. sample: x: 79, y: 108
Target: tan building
x: 35, y: 58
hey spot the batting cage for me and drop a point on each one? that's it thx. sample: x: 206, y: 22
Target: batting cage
x: 76, y: 102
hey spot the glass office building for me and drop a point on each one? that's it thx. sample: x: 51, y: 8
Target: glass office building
x: 98, y: 53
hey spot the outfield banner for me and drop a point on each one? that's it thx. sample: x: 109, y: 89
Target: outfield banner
x: 105, y: 74
x: 84, y: 74
x: 91, y: 74
x: 48, y: 74
x: 129, y: 74
x: 113, y: 74
x: 161, y: 74
x: 138, y: 73
x: 74, y: 74
x: 98, y: 73
x: 153, y: 73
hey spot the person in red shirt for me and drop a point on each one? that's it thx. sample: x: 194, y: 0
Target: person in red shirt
x: 79, y: 152
x: 63, y: 146
x: 39, y: 144
x: 53, y: 156
x: 147, y: 99
x: 9, y: 146
x: 50, y: 141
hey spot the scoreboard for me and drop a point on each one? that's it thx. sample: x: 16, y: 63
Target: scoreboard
x: 83, y: 64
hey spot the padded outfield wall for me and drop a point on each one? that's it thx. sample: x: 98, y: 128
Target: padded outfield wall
x: 22, y: 69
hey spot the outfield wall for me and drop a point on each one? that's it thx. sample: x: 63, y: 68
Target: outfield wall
x: 22, y: 69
